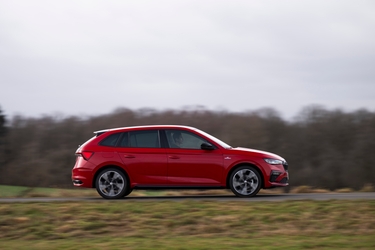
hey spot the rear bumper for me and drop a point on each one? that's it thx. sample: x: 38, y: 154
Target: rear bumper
x: 82, y: 173
x: 82, y: 177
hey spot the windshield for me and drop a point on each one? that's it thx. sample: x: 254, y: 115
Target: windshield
x: 213, y: 138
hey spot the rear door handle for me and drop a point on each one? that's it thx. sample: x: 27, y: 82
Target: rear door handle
x: 174, y: 157
x: 129, y: 156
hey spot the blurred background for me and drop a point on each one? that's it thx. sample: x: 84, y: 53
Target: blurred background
x: 295, y: 78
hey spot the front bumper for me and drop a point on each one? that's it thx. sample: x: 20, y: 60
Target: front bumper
x: 279, y: 179
x: 278, y: 176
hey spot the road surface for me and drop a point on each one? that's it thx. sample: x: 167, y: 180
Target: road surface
x: 268, y: 197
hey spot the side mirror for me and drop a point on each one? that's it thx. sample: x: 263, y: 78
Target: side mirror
x: 207, y: 146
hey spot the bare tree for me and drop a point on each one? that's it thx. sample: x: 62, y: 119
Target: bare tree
x: 324, y: 148
x: 3, y: 131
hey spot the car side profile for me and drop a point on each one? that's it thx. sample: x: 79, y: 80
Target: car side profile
x: 116, y: 161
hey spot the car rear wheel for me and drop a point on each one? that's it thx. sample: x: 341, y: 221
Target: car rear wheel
x: 245, y: 181
x: 111, y: 183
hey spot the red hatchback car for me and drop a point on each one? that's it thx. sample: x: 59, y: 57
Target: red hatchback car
x: 116, y: 161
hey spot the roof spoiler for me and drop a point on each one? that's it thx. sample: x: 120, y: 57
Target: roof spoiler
x: 97, y: 133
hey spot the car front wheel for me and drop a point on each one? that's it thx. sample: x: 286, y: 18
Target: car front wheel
x: 111, y: 183
x: 245, y: 181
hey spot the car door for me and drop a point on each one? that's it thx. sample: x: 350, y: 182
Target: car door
x: 144, y: 158
x: 188, y: 164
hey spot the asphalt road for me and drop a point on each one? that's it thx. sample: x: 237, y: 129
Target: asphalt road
x: 273, y: 197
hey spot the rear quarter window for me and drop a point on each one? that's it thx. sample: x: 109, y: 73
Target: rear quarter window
x: 111, y: 140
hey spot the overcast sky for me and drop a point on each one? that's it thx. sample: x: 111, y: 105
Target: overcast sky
x: 91, y: 57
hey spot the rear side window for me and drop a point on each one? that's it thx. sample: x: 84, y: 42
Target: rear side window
x: 144, y: 139
x: 111, y: 140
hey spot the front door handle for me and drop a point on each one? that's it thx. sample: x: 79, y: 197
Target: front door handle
x: 174, y: 157
x: 129, y: 156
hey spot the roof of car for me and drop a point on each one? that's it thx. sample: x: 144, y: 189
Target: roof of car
x: 144, y: 127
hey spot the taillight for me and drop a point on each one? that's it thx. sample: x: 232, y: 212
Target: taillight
x: 85, y: 154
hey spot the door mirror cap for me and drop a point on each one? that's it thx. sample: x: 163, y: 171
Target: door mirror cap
x: 207, y: 146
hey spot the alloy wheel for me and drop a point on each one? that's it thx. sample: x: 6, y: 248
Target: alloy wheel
x: 111, y: 184
x: 245, y: 182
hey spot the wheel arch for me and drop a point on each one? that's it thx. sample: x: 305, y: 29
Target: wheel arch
x: 106, y: 167
x: 244, y: 164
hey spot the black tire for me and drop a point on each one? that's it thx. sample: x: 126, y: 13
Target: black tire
x: 128, y: 191
x: 245, y: 181
x: 112, y: 183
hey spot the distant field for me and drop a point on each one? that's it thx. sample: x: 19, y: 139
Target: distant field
x: 188, y: 224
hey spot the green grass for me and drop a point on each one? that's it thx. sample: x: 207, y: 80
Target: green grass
x: 184, y: 224
x: 188, y: 224
x: 277, y: 242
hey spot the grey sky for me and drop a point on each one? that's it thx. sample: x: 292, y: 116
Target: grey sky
x: 90, y: 57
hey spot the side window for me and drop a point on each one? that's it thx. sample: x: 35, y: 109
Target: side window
x: 184, y: 139
x: 144, y: 139
x: 110, y: 141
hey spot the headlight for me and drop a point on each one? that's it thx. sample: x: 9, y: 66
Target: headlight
x: 273, y: 161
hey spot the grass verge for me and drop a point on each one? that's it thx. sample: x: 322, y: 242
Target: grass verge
x: 187, y: 243
x: 188, y: 224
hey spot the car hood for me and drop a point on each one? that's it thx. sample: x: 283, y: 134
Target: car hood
x: 256, y: 152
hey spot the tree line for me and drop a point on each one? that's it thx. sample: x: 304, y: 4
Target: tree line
x: 324, y: 148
